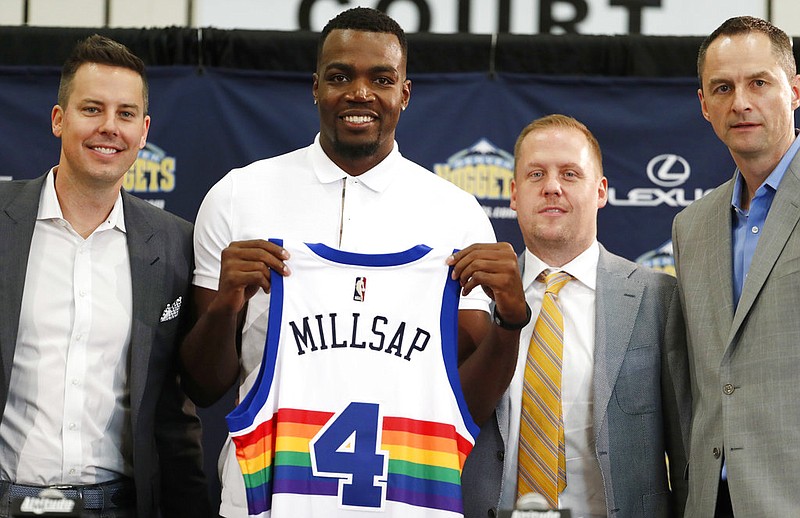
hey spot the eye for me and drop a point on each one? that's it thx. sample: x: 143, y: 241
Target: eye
x: 384, y: 81
x: 91, y: 110
x: 127, y: 115
x: 337, y: 78
x: 759, y: 82
x: 722, y: 89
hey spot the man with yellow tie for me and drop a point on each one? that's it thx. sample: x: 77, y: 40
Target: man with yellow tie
x: 600, y: 393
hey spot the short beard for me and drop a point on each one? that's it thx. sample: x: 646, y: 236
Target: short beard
x: 355, y: 152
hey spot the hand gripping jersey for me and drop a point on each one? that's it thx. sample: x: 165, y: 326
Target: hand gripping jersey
x: 358, y: 404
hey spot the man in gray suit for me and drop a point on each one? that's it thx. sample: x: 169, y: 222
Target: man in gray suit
x: 92, y: 288
x: 623, y: 391
x: 737, y: 257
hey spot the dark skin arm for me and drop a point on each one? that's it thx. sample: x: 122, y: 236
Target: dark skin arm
x: 487, y: 353
x: 210, y: 352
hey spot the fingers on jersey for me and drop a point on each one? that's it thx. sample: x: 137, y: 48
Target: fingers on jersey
x: 493, y: 267
x: 246, y: 266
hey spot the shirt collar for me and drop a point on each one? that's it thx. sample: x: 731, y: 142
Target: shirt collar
x: 377, y: 178
x: 50, y: 208
x: 772, y: 181
x: 583, y: 267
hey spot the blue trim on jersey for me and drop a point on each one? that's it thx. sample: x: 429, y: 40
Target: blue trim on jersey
x: 246, y: 411
x: 352, y: 258
x: 449, y: 330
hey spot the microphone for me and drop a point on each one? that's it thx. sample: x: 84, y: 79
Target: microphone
x: 534, y: 505
x: 49, y: 502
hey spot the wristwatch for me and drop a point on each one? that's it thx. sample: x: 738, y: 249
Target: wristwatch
x: 498, y: 320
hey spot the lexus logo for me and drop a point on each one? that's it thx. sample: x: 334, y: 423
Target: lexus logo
x: 668, y: 170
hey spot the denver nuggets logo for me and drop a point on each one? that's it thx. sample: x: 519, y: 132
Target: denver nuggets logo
x: 360, y: 289
x: 153, y: 171
x: 485, y: 171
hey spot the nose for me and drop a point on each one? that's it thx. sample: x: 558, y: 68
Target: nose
x: 741, y: 100
x: 109, y: 124
x: 551, y: 185
x: 361, y: 91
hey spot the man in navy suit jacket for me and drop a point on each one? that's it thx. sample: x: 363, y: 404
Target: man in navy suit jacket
x: 90, y: 314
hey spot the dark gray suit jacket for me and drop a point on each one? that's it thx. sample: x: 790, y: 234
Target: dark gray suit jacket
x: 745, y: 358
x: 167, y: 458
x: 641, y: 400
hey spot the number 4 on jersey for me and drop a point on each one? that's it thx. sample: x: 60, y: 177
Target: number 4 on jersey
x: 347, y: 448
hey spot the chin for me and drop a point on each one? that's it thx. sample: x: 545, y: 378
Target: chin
x: 356, y: 150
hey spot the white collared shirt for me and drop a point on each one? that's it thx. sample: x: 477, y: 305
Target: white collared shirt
x: 584, y: 494
x: 67, y: 417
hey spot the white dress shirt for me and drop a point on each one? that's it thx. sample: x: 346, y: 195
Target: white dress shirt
x: 67, y: 418
x: 584, y: 494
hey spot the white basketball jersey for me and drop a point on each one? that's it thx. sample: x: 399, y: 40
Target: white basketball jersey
x: 358, y: 404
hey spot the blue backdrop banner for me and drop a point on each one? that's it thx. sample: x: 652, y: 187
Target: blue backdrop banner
x: 659, y: 152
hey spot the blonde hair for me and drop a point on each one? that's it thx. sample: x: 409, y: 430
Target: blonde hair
x: 557, y: 120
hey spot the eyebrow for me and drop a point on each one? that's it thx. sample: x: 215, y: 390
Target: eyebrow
x: 349, y: 68
x: 89, y: 100
x: 561, y: 165
x: 754, y: 75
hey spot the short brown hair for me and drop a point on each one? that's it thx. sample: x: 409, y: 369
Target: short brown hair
x: 557, y: 120
x: 103, y: 51
x: 781, y: 43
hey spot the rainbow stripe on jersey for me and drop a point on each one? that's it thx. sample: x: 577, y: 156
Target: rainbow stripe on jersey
x: 425, y: 460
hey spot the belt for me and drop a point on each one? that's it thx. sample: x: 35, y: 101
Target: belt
x: 108, y: 495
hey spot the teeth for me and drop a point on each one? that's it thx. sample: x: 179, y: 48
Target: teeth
x: 358, y: 119
x: 106, y: 150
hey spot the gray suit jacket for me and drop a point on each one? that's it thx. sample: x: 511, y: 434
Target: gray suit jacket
x: 745, y: 360
x: 167, y: 458
x: 641, y: 400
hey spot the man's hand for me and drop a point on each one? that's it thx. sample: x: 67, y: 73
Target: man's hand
x: 494, y: 268
x: 245, y: 269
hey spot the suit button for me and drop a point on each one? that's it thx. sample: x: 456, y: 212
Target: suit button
x: 716, y: 453
x: 728, y: 389
x: 492, y: 513
x: 501, y: 455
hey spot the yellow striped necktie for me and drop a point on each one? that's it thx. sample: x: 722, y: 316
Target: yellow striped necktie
x: 542, y: 459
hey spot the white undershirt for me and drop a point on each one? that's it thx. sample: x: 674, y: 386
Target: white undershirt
x: 584, y: 493
x: 67, y: 417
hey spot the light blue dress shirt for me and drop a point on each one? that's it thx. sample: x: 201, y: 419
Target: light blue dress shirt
x: 748, y: 225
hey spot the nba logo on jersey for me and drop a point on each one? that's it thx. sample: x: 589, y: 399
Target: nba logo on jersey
x: 360, y: 290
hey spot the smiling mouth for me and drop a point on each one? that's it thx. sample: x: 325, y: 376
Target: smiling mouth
x: 358, y: 119
x: 105, y: 150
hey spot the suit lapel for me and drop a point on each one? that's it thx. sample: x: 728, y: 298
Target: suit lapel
x: 17, y: 221
x: 719, y: 263
x: 781, y: 222
x: 617, y: 301
x: 145, y: 249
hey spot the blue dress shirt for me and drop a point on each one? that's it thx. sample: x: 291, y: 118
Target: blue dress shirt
x: 748, y: 224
